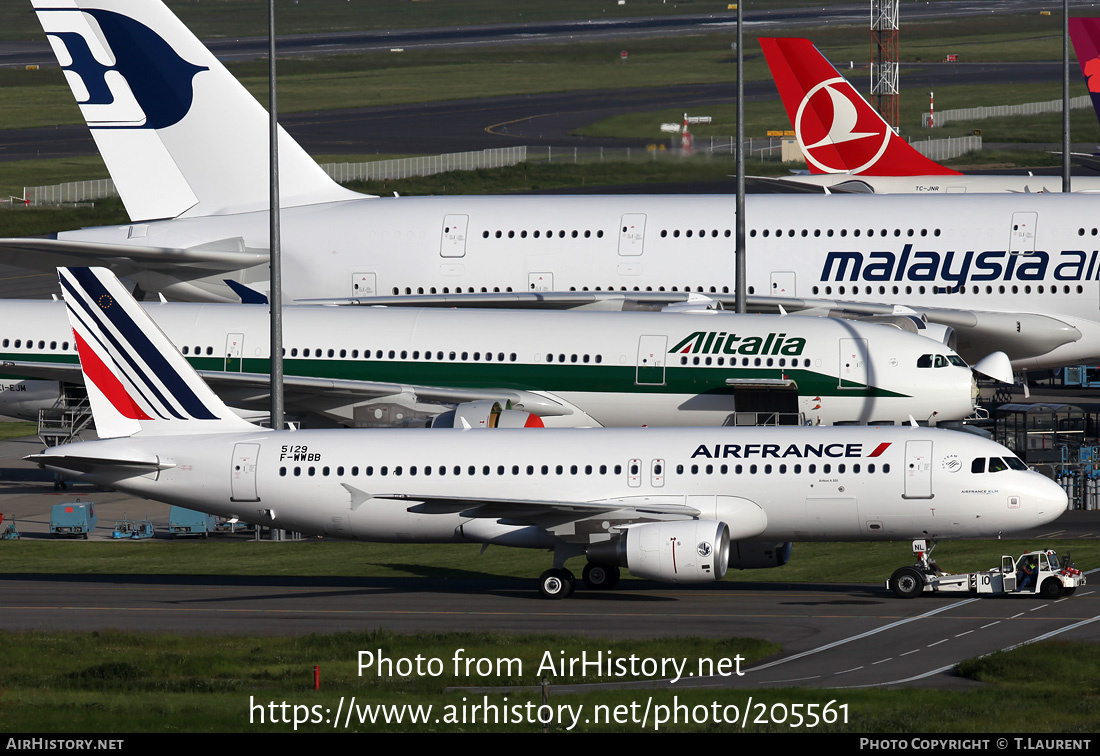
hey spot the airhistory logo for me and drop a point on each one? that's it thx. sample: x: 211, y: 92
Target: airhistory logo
x: 720, y: 342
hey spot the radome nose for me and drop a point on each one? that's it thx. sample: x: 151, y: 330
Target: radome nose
x: 1050, y: 500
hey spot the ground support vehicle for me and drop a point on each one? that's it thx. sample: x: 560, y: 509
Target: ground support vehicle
x: 123, y: 528
x: 188, y: 522
x: 75, y: 520
x: 8, y: 532
x: 1052, y: 578
x: 141, y: 529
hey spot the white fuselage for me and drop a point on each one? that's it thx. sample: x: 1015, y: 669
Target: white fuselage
x: 998, y: 253
x: 948, y: 184
x: 600, y: 368
x: 810, y: 483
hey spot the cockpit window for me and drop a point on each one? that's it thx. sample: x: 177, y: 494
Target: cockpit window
x: 932, y: 361
x: 956, y: 360
x: 997, y: 464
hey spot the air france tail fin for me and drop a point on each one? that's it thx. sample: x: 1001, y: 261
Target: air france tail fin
x: 137, y: 380
x: 1085, y: 35
x: 835, y: 127
x: 180, y: 136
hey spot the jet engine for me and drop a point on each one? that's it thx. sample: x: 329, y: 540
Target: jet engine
x: 944, y: 334
x: 685, y: 551
x: 751, y: 555
x: 486, y: 414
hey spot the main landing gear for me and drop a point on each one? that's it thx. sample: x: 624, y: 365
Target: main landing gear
x: 558, y: 583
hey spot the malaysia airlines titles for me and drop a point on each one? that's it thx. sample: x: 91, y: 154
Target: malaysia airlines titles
x: 959, y: 268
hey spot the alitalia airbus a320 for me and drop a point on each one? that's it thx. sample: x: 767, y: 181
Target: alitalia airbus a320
x: 371, y: 366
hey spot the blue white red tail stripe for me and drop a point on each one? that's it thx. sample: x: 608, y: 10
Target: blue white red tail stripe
x: 101, y: 307
x: 137, y: 380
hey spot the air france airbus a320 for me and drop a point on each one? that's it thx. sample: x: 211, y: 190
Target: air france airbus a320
x: 678, y: 505
x: 400, y: 366
x: 186, y: 147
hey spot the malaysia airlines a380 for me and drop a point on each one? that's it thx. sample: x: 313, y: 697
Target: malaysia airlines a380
x: 185, y: 145
x: 678, y: 505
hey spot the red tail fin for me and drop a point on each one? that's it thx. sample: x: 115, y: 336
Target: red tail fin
x: 835, y: 127
x: 1085, y: 33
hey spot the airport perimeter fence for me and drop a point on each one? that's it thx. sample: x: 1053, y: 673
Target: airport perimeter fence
x: 398, y: 168
x: 767, y: 148
x: 944, y: 117
x: 68, y: 193
x: 756, y: 148
x: 945, y: 149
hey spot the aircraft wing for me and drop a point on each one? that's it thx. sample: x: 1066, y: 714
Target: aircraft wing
x: 47, y: 371
x: 328, y: 387
x: 302, y: 387
x: 498, y: 508
x: 575, y: 521
x: 792, y: 185
x: 48, y: 254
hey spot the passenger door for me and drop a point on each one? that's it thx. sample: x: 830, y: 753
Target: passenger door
x: 918, y: 470
x: 651, y: 361
x: 234, y: 352
x: 243, y: 472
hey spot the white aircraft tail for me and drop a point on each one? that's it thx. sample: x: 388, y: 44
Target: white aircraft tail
x: 137, y: 380
x: 180, y: 135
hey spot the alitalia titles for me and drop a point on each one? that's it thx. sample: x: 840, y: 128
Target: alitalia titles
x: 720, y: 342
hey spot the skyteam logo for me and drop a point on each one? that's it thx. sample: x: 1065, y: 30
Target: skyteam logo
x: 122, y: 73
x: 840, y: 132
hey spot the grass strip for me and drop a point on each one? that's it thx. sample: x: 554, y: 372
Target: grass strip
x: 132, y: 683
x: 315, y: 557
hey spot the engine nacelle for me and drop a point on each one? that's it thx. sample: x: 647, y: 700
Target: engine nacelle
x: 685, y: 551
x: 486, y: 414
x: 944, y: 334
x: 752, y: 555
x: 23, y: 398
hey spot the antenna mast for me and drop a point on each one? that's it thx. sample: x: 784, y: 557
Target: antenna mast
x: 884, y: 59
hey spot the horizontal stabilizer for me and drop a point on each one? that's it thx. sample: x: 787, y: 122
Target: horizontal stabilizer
x: 48, y: 254
x: 61, y: 461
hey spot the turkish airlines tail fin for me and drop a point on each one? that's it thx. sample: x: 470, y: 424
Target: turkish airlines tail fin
x: 180, y: 136
x: 1085, y: 35
x: 137, y: 380
x: 838, y: 131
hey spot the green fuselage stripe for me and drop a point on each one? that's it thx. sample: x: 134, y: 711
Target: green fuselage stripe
x: 569, y: 377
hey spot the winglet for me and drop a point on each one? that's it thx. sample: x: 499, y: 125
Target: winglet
x: 137, y: 380
x: 835, y: 127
